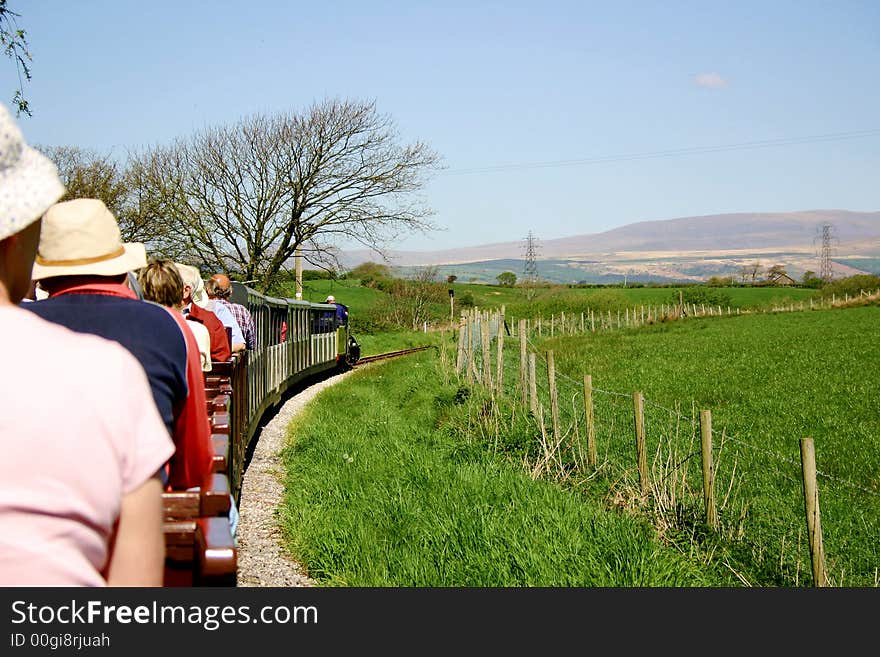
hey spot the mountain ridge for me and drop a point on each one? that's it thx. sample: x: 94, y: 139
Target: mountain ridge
x: 680, y: 248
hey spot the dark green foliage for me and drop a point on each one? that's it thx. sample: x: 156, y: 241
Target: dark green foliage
x: 851, y: 285
x: 700, y: 294
x: 506, y: 278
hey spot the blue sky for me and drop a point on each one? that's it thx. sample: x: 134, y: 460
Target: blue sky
x: 560, y: 118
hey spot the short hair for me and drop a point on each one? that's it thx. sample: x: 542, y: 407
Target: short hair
x: 161, y: 282
x: 215, y: 289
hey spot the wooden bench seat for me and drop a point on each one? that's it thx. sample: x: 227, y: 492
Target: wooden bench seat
x: 200, y: 552
x: 220, y: 443
x: 213, y: 499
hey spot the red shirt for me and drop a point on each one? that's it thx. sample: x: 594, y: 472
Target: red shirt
x: 220, y: 350
x: 192, y: 462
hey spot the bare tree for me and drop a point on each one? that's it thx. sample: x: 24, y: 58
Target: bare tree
x: 411, y: 299
x: 248, y: 196
x: 88, y: 174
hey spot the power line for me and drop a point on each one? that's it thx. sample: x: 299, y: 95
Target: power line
x: 696, y: 150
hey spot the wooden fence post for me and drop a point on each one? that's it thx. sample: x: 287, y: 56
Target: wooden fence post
x: 554, y: 402
x: 486, y: 349
x: 523, y: 362
x: 811, y: 505
x: 708, y: 469
x: 499, y: 363
x: 641, y: 449
x: 588, y: 411
x: 462, y: 336
x: 471, y: 365
x: 533, y: 384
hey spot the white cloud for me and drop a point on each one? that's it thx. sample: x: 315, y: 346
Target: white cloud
x: 710, y: 80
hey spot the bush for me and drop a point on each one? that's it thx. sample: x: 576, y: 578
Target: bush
x: 703, y: 295
x: 851, y: 285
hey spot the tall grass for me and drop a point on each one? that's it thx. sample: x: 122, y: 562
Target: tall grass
x: 769, y: 380
x: 386, y: 485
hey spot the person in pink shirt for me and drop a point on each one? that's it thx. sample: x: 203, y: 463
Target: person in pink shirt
x: 81, y: 438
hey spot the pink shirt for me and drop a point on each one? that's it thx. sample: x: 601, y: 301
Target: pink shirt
x: 78, y: 430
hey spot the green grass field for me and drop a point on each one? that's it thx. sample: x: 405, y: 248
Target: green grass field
x: 382, y: 489
x: 430, y: 448
x: 769, y: 380
x: 555, y: 299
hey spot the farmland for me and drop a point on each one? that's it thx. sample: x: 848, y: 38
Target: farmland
x: 429, y: 439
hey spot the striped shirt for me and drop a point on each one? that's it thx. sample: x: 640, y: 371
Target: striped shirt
x: 245, y: 321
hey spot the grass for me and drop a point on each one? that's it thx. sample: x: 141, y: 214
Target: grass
x: 554, y: 299
x: 769, y: 380
x: 384, y: 489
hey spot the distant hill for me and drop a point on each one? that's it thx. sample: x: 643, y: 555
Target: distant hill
x: 681, y: 249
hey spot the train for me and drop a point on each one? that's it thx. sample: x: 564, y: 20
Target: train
x: 296, y: 341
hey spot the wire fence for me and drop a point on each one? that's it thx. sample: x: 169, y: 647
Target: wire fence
x: 642, y: 456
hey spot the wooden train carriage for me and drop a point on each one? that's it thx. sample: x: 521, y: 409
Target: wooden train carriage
x: 295, y: 340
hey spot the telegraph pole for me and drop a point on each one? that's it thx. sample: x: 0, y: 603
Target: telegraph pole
x: 297, y: 259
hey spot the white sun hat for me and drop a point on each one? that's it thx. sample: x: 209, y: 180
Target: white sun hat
x: 81, y: 237
x: 192, y: 278
x: 29, y: 180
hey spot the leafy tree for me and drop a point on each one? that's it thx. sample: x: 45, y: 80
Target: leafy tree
x: 506, y: 278
x: 451, y: 278
x: 248, y: 196
x: 700, y: 294
x: 719, y: 281
x: 369, y: 273
x: 775, y: 273
x: 851, y: 285
x: 811, y: 280
x: 14, y: 42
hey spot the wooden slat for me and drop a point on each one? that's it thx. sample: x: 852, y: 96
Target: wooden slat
x: 220, y: 443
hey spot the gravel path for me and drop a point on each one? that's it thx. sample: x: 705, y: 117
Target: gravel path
x: 262, y: 559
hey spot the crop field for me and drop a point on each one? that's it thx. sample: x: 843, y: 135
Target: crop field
x: 768, y: 380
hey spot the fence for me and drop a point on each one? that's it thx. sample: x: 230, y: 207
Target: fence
x: 672, y: 464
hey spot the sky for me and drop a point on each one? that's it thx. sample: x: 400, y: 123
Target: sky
x: 550, y: 118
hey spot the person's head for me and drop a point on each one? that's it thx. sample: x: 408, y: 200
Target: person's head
x: 330, y: 299
x: 29, y: 184
x: 80, y: 240
x: 161, y: 283
x: 218, y: 286
x: 193, y: 286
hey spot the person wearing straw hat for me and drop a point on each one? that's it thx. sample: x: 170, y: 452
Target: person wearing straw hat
x: 83, y: 264
x: 81, y: 438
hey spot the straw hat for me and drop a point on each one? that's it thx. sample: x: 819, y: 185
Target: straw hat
x: 29, y: 180
x: 81, y: 237
x: 330, y: 299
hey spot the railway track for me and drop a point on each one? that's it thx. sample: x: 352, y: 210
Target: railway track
x: 390, y: 354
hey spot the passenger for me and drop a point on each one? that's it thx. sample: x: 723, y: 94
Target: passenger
x: 80, y: 436
x: 161, y: 283
x: 219, y: 289
x: 236, y: 336
x: 193, y: 309
x: 83, y: 264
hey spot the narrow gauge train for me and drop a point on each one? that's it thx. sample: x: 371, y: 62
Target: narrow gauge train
x: 296, y: 340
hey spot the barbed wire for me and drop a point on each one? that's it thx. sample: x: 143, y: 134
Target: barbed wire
x: 544, y: 386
